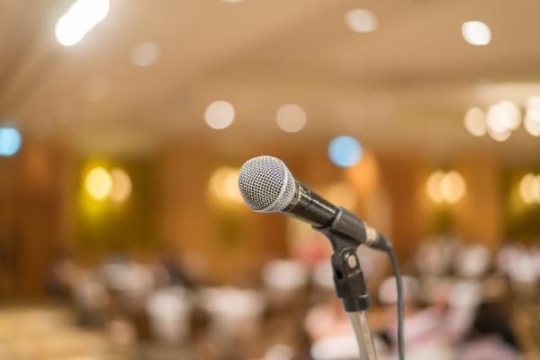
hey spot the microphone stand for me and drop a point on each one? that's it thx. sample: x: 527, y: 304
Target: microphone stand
x: 350, y: 283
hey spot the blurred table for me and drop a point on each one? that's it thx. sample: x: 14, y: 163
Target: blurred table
x: 37, y: 332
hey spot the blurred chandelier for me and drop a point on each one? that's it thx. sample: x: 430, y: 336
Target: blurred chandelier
x: 503, y: 118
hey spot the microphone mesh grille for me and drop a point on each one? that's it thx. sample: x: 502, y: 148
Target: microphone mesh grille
x: 266, y: 184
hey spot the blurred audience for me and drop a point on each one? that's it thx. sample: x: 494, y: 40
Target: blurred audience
x: 460, y: 303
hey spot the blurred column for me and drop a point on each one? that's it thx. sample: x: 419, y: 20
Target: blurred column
x: 404, y: 177
x: 37, y: 208
x: 184, y: 216
x: 479, y: 214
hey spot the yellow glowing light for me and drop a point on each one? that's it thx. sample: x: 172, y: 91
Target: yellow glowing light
x: 230, y: 186
x: 529, y: 189
x: 526, y: 188
x: 98, y: 183
x: 433, y: 187
x: 224, y: 185
x: 446, y: 187
x: 121, y: 186
x: 453, y: 187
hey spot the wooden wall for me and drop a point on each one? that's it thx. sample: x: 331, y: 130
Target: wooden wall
x: 225, y: 244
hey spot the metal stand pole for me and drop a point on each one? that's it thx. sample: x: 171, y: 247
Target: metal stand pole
x: 363, y: 335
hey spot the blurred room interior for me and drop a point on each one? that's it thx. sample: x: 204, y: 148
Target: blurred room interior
x: 123, y: 125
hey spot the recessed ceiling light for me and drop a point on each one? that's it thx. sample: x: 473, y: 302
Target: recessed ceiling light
x: 145, y: 54
x: 219, y: 115
x: 291, y: 118
x: 476, y: 33
x: 81, y: 17
x: 361, y: 21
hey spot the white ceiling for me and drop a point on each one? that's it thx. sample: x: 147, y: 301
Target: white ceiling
x: 407, y: 85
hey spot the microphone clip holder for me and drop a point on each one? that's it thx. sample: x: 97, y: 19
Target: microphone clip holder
x: 346, y: 234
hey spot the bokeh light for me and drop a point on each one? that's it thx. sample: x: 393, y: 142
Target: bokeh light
x: 361, y: 21
x: 503, y: 117
x: 433, y: 186
x: 475, y: 122
x: 219, y: 115
x: 224, y: 185
x: 98, y: 183
x: 447, y: 187
x: 291, y: 118
x: 121, y: 185
x: 345, y: 151
x: 476, y: 33
x: 499, y: 136
x: 453, y: 187
x: 529, y: 189
x: 10, y: 141
x: 80, y: 18
x: 145, y: 54
x: 532, y: 116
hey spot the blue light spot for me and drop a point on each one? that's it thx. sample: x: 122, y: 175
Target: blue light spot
x: 345, y: 151
x: 10, y: 141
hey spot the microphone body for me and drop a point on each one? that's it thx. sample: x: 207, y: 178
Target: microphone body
x: 324, y: 216
x: 267, y: 186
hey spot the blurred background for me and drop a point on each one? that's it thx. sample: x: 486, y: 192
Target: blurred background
x: 123, y: 125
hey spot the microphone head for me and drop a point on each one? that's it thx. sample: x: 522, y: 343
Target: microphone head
x: 266, y: 184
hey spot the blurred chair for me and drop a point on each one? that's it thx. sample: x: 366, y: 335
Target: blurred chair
x: 472, y: 261
x: 90, y: 298
x: 285, y: 283
x: 235, y: 319
x: 169, y: 313
x: 425, y: 335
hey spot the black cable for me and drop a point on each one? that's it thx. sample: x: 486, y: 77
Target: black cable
x: 400, y: 303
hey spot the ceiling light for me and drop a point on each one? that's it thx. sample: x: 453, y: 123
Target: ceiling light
x: 503, y: 117
x: 476, y: 33
x: 219, y: 115
x: 361, y: 21
x: 145, y: 54
x: 475, y: 122
x: 80, y: 18
x: 532, y: 122
x: 291, y: 118
x: 499, y: 136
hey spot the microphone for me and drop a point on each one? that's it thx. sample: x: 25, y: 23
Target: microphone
x: 268, y: 186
